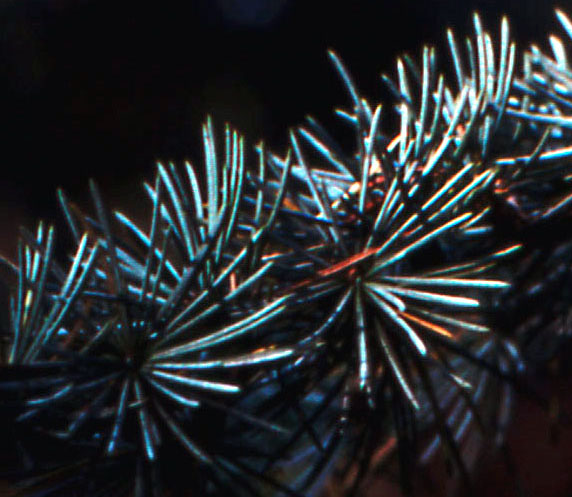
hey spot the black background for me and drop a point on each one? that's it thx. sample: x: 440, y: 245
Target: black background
x: 104, y: 89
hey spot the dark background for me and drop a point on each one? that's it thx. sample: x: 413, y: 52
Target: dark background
x: 104, y: 89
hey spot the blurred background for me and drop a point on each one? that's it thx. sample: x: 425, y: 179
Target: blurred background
x: 104, y: 89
